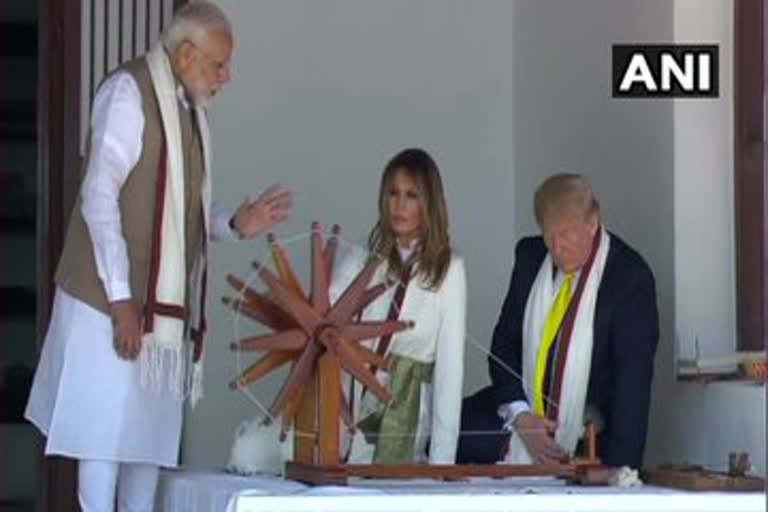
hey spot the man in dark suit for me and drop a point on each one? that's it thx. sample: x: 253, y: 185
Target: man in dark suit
x: 623, y: 335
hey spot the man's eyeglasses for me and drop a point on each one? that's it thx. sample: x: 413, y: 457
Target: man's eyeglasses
x: 220, y: 65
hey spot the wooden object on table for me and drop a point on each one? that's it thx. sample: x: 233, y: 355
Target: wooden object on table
x: 698, y: 478
x: 594, y: 475
x: 739, y: 463
x: 740, y: 366
x: 317, y: 338
x: 755, y: 369
x: 338, y: 474
x: 589, y: 470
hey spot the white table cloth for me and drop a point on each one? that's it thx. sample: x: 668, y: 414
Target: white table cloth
x: 191, y: 490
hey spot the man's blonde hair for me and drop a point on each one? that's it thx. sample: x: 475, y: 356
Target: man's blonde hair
x: 193, y: 22
x: 564, y: 194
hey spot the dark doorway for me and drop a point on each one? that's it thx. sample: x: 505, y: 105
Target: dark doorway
x: 19, y: 22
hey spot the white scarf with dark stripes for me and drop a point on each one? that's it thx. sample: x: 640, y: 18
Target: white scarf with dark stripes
x: 164, y: 360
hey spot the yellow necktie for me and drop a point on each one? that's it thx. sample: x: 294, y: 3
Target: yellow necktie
x: 555, y: 318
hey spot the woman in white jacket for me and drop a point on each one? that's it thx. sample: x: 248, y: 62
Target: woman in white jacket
x: 411, y: 239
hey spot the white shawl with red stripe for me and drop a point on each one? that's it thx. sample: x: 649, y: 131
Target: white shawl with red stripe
x: 164, y: 359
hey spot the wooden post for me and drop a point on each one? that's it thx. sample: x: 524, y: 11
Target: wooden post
x: 330, y: 409
x: 306, y: 422
x: 591, y: 442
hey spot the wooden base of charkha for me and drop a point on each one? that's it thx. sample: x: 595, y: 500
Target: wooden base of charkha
x: 581, y: 472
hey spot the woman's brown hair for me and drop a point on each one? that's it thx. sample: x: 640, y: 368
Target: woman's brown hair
x: 433, y: 252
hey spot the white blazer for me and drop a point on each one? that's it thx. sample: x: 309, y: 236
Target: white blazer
x: 437, y: 337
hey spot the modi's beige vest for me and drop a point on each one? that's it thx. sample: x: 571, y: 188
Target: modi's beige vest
x: 76, y: 273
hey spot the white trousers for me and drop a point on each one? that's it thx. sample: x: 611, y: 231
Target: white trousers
x: 99, y: 482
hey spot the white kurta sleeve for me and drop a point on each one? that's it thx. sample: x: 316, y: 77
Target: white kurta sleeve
x: 117, y: 127
x: 448, y: 374
x: 220, y: 216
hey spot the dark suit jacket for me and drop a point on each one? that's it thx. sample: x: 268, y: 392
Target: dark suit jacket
x: 626, y: 333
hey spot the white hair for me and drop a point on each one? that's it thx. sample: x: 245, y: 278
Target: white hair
x: 193, y: 22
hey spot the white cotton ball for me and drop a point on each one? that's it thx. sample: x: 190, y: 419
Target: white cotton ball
x: 626, y: 477
x: 257, y: 448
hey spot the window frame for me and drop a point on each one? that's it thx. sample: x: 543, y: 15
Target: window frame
x: 750, y: 183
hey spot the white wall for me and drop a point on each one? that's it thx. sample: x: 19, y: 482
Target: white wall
x: 324, y: 94
x: 566, y: 119
x: 503, y: 94
x: 705, y: 302
x: 695, y: 422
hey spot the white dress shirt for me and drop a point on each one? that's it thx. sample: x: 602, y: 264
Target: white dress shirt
x: 117, y: 129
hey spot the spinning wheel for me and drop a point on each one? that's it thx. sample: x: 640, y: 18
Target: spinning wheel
x: 319, y: 339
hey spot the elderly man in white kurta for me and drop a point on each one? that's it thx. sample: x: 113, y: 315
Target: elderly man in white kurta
x: 115, y: 370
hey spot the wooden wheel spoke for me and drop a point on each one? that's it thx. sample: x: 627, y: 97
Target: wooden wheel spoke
x: 265, y: 316
x: 320, y: 299
x: 262, y: 367
x: 370, y: 295
x: 298, y: 308
x: 353, y: 363
x: 284, y: 267
x: 345, y: 307
x: 372, y: 358
x: 330, y: 251
x: 297, y: 378
x: 274, y: 316
x: 293, y: 339
x: 368, y: 330
x: 239, y: 285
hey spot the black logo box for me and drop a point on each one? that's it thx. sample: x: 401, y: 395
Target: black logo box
x: 623, y: 53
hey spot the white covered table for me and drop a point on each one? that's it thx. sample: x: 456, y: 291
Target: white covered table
x: 196, y: 490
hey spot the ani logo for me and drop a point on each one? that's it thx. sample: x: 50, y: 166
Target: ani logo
x: 665, y: 71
